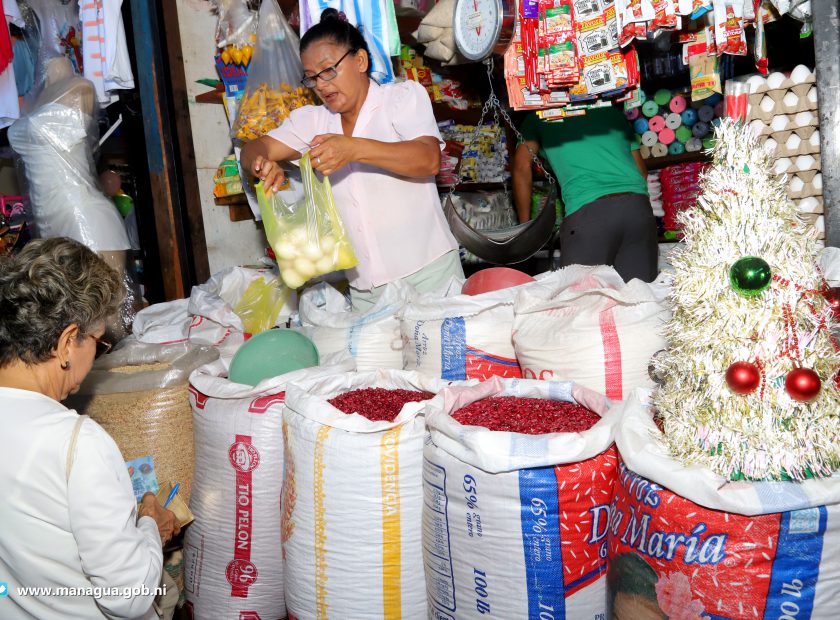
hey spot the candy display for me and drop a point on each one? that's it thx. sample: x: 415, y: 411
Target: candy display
x: 680, y: 186
x: 485, y: 162
x: 263, y: 108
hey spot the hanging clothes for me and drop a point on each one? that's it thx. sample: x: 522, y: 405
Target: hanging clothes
x: 106, y: 61
x: 9, y: 103
x: 5, y: 39
x: 377, y: 21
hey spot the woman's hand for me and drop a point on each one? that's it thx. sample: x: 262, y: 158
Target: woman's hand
x: 167, y: 522
x: 331, y: 152
x: 269, y: 172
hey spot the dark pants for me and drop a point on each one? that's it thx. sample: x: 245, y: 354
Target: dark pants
x: 617, y: 230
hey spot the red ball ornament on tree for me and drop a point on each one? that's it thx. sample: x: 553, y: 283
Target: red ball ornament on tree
x: 743, y: 377
x: 832, y: 296
x: 803, y: 384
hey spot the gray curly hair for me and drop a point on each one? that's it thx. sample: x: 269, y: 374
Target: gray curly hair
x: 50, y: 285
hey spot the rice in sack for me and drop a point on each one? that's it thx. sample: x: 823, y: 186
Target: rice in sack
x: 514, y: 524
x: 685, y: 542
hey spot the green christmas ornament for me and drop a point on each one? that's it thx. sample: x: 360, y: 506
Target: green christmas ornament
x: 750, y: 276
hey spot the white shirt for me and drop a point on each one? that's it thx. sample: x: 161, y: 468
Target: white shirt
x: 81, y: 534
x: 396, y: 224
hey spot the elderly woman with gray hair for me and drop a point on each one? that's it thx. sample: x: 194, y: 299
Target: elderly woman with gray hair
x: 68, y: 519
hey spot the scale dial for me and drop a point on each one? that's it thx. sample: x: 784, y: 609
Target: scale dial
x: 482, y: 27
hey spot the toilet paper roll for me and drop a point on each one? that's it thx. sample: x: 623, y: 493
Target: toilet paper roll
x: 676, y: 148
x: 640, y: 125
x: 683, y: 133
x: 659, y: 150
x: 673, y: 120
x: 650, y: 108
x: 706, y: 113
x: 656, y: 123
x: 678, y: 104
x: 649, y: 138
x: 700, y: 129
x: 694, y: 145
x: 666, y: 136
x: 689, y: 117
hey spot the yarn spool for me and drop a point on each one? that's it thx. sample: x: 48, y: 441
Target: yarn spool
x: 649, y: 138
x: 650, y: 108
x: 659, y: 150
x: 662, y: 96
x: 676, y: 148
x: 689, y: 117
x: 700, y: 129
x: 678, y: 104
x: 706, y: 113
x: 694, y: 145
x: 640, y: 125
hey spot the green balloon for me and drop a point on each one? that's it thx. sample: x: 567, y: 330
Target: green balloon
x: 271, y: 354
x: 750, y: 276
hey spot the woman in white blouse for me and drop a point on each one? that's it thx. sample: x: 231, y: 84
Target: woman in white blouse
x: 68, y: 518
x: 380, y: 146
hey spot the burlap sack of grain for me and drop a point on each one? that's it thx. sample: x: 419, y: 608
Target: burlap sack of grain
x: 139, y: 394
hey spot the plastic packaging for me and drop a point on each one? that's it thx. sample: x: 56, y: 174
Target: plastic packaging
x: 236, y: 25
x: 139, y: 394
x: 305, y: 230
x: 273, y: 88
x: 261, y: 304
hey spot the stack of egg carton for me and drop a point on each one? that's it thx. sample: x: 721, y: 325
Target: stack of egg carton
x: 783, y: 111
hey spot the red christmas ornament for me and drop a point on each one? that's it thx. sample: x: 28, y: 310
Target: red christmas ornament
x: 743, y: 377
x: 832, y: 296
x: 803, y: 384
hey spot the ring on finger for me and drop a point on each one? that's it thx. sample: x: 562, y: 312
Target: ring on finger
x: 318, y: 159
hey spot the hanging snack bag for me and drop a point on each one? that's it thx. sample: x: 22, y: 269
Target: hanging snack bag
x: 273, y: 89
x: 304, y: 228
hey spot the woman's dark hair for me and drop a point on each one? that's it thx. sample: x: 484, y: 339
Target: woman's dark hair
x: 335, y: 27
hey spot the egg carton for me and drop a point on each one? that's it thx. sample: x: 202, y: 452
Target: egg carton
x: 816, y: 221
x: 789, y: 144
x: 767, y: 105
x: 812, y: 204
x: 806, y: 166
x: 798, y: 188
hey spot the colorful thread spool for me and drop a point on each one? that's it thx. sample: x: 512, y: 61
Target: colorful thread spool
x: 700, y: 129
x: 706, y: 113
x: 678, y: 104
x: 683, y: 134
x: 666, y: 136
x: 649, y: 138
x: 676, y: 148
x: 673, y: 120
x: 656, y: 123
x: 689, y: 117
x: 640, y: 125
x: 650, y: 108
x: 659, y: 150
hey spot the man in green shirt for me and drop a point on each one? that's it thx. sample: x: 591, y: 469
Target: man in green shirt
x: 603, y: 181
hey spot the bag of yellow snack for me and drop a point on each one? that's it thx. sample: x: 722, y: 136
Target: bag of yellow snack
x: 304, y: 228
x: 273, y: 88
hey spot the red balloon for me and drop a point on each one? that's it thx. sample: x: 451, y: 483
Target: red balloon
x: 743, y: 377
x: 832, y: 296
x: 803, y: 384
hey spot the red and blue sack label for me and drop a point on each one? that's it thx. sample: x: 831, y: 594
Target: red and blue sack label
x: 460, y: 361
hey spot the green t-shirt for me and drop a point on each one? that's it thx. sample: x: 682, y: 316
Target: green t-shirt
x: 591, y: 155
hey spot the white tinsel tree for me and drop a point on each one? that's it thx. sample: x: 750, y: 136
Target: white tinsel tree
x: 760, y: 421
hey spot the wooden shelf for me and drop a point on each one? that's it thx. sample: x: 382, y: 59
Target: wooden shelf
x: 212, y: 96
x: 657, y: 163
x: 238, y: 208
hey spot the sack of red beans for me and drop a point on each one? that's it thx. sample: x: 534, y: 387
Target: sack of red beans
x: 514, y: 521
x: 352, y: 520
x: 591, y: 328
x: 233, y: 559
x: 686, y: 543
x: 371, y: 338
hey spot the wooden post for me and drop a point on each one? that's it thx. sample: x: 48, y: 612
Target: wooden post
x: 177, y: 210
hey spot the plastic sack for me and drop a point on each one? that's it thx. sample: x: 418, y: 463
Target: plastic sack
x: 273, y: 88
x: 305, y: 230
x: 514, y: 525
x: 351, y: 515
x: 234, y: 561
x: 139, y: 394
x: 236, y: 25
x: 686, y: 543
x: 261, y: 304
x: 55, y: 140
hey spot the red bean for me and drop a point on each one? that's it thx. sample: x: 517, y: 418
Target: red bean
x: 531, y: 416
x: 377, y: 404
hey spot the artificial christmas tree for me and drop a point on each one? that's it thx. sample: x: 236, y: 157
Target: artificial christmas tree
x: 749, y: 381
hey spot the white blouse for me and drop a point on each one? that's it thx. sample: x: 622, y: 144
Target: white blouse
x: 82, y: 534
x: 396, y: 224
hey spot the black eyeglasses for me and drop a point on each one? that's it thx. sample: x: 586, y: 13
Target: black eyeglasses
x: 102, y: 347
x: 327, y: 74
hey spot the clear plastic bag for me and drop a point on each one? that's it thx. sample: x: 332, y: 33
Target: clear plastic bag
x: 236, y: 23
x: 306, y: 233
x: 273, y: 89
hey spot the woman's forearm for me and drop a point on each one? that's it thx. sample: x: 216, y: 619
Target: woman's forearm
x: 413, y: 158
x: 268, y: 148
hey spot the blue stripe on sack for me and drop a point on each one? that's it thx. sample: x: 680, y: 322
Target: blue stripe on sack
x: 796, y: 568
x: 356, y: 327
x: 453, y: 349
x: 544, y: 577
x: 593, y: 573
x: 490, y: 358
